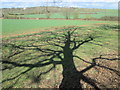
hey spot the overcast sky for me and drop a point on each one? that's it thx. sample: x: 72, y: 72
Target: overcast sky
x: 102, y: 4
x: 61, y: 0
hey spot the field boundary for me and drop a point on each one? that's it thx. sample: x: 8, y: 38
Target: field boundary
x: 59, y: 19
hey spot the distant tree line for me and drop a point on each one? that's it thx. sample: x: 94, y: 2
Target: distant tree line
x: 68, y: 13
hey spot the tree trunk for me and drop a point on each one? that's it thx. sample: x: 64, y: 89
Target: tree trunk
x: 71, y: 77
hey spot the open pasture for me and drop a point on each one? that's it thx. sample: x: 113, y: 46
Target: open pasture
x: 11, y: 27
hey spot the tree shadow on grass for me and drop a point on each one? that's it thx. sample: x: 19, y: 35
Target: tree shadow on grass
x: 62, y: 48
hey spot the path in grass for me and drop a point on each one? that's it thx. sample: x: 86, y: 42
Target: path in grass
x: 13, y: 27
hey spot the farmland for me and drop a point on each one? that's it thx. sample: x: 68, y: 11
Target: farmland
x: 13, y: 26
x: 36, y: 53
x: 64, y: 13
x: 81, y: 15
x: 53, y: 78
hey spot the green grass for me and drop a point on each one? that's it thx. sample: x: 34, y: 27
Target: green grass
x: 13, y: 26
x: 61, y: 15
x: 55, y: 15
x: 98, y: 15
x: 108, y: 40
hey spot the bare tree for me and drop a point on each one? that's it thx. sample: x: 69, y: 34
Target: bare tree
x: 47, y: 11
x: 67, y: 13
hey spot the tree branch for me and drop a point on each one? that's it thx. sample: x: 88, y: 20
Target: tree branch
x: 94, y: 63
x: 82, y: 42
x: 89, y: 81
x: 87, y: 68
x: 55, y: 44
x: 17, y: 75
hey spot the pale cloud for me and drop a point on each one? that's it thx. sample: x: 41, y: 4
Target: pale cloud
x: 93, y: 0
x: 60, y: 0
x: 102, y: 5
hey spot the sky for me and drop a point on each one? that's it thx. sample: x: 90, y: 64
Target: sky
x: 61, y: 0
x: 102, y: 4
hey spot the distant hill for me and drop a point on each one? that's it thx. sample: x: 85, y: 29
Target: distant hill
x: 41, y: 10
x: 60, y: 12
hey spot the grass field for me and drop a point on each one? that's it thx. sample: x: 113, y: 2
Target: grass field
x: 30, y: 50
x: 81, y: 15
x: 13, y: 26
x: 18, y: 77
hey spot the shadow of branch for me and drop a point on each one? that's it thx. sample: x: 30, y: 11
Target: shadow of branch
x: 60, y: 48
